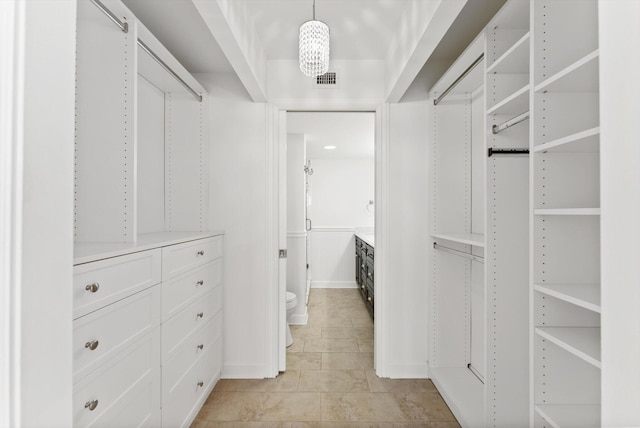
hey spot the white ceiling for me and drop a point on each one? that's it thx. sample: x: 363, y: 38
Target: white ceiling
x: 360, y: 29
x: 353, y: 133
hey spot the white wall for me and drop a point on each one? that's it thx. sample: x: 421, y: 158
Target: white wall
x: 238, y: 205
x: 296, y: 232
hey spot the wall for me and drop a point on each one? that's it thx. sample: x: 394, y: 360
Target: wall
x: 238, y: 194
x: 296, y: 232
x: 340, y: 191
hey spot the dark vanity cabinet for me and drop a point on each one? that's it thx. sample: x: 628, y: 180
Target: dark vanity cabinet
x: 364, y: 272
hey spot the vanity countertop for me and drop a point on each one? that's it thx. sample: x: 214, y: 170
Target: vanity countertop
x: 367, y: 236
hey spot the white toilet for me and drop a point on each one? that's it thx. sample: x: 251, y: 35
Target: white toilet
x: 292, y: 302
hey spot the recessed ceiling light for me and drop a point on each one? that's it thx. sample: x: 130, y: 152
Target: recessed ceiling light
x: 329, y: 147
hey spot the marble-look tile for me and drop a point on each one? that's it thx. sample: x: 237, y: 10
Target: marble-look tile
x: 296, y: 346
x: 419, y: 425
x: 333, y: 381
x: 305, y: 332
x: 363, y: 320
x: 287, y: 381
x: 347, y: 360
x: 334, y: 424
x: 375, y: 383
x: 331, y: 345
x: 291, y: 406
x: 330, y: 320
x: 408, y: 385
x: 365, y: 345
x: 236, y: 424
x: 423, y: 406
x: 304, y: 361
x: 232, y: 406
x: 360, y: 406
x: 245, y: 385
x: 347, y: 333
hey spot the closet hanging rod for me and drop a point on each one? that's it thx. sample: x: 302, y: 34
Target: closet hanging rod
x: 458, y: 253
x: 459, y: 79
x: 509, y: 123
x: 164, y: 65
x: 124, y: 26
x: 491, y: 151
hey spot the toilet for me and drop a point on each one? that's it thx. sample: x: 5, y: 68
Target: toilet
x: 292, y: 302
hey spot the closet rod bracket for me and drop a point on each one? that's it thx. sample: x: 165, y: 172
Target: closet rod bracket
x: 491, y: 151
x: 124, y: 25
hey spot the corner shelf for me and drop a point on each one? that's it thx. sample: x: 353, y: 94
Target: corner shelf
x: 583, y: 342
x: 515, y: 103
x: 474, y: 239
x: 463, y: 393
x: 584, y: 295
x: 570, y: 415
x: 581, y: 76
x: 584, y: 141
x: 514, y: 60
x: 568, y: 211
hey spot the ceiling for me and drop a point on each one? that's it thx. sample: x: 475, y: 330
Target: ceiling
x: 360, y: 29
x: 353, y: 133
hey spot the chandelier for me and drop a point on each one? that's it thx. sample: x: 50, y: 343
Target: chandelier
x: 314, y: 46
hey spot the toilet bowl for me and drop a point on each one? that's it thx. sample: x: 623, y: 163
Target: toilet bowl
x: 292, y: 302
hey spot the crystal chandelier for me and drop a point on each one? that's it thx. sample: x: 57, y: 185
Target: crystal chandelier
x: 314, y: 46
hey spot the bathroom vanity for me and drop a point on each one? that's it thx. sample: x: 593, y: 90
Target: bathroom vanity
x: 364, y: 250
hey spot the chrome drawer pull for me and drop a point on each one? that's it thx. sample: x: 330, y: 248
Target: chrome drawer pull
x: 369, y: 274
x: 91, y: 405
x: 200, y: 314
x: 200, y: 282
x: 200, y: 384
x: 369, y: 298
x: 92, y: 345
x: 200, y: 346
x: 361, y: 266
x: 362, y: 286
x: 92, y: 287
x: 201, y: 253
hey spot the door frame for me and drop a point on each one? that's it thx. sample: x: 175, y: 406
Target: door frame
x: 275, y: 302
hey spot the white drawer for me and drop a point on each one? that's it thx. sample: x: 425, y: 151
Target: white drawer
x: 178, y: 328
x: 178, y: 293
x: 193, y: 389
x: 115, y: 384
x: 180, y: 258
x: 189, y: 352
x: 100, y: 283
x: 98, y: 336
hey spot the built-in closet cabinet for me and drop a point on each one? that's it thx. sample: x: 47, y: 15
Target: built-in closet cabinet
x: 148, y: 271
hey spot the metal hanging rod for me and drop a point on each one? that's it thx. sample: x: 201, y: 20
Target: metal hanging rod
x: 124, y: 26
x: 491, y: 151
x: 459, y: 79
x: 164, y: 65
x: 458, y: 253
x: 509, y: 123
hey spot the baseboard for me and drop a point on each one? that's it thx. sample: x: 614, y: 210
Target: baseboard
x: 408, y: 371
x: 334, y: 284
x: 243, y: 371
x: 299, y: 319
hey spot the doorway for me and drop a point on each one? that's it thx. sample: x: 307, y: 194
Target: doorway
x: 330, y: 196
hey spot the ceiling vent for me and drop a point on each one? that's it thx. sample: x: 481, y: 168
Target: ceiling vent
x: 329, y: 80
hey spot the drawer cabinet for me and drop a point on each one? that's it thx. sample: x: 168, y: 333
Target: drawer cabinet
x: 365, y: 262
x: 180, y: 258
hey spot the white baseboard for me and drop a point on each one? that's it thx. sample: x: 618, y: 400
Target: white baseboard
x: 334, y: 284
x: 408, y: 371
x: 299, y: 319
x: 243, y: 371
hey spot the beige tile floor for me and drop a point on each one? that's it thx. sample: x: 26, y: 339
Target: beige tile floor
x: 329, y: 382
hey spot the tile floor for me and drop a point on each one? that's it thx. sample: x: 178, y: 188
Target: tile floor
x: 329, y: 382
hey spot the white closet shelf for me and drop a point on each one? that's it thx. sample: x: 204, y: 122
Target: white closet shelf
x: 514, y: 60
x: 584, y: 141
x: 567, y: 211
x: 516, y: 103
x: 474, y: 239
x: 584, y: 295
x: 92, y: 251
x: 583, y: 342
x: 581, y: 76
x: 570, y: 415
x: 463, y: 393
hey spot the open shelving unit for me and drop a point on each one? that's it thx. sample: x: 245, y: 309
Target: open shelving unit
x: 565, y: 215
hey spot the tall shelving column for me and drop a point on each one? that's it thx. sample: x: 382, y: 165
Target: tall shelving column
x: 565, y: 262
x: 507, y: 217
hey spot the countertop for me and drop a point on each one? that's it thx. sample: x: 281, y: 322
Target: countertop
x: 367, y: 235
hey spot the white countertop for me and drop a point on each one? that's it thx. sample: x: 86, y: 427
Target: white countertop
x: 367, y: 236
x: 92, y: 251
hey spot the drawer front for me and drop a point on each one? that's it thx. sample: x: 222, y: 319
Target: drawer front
x: 191, y: 392
x: 190, y: 351
x: 100, y: 283
x: 370, y: 252
x: 178, y: 328
x: 178, y: 293
x: 140, y: 409
x: 180, y: 258
x: 114, y: 385
x: 100, y: 335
